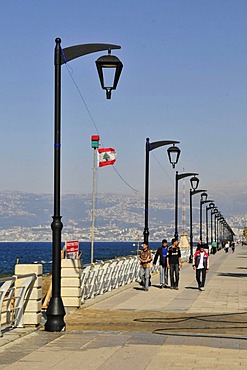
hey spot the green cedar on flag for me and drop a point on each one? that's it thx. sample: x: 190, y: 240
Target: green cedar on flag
x: 106, y: 156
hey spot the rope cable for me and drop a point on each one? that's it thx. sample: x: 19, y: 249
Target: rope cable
x: 70, y: 72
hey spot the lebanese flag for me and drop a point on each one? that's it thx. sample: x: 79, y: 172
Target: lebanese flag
x: 106, y: 156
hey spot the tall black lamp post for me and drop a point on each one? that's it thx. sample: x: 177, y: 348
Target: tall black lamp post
x: 55, y: 312
x: 217, y: 217
x: 201, y: 204
x: 173, y: 155
x: 213, y: 224
x: 192, y: 192
x: 220, y: 229
x: 210, y: 207
x: 213, y: 212
x: 194, y: 181
x: 203, y: 200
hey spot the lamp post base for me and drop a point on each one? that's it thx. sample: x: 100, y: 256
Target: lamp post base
x: 55, y: 314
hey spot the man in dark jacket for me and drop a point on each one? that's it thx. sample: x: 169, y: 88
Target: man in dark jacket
x: 161, y: 254
x: 174, y: 263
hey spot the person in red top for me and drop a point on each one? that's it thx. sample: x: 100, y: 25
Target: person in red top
x: 201, y: 266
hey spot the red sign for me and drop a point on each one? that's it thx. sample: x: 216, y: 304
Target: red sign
x: 72, y: 249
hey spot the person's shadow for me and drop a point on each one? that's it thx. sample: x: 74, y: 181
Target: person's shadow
x: 191, y: 287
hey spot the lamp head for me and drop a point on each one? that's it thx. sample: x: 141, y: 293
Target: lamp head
x: 173, y: 155
x: 194, y: 182
x: 204, y: 196
x: 104, y: 64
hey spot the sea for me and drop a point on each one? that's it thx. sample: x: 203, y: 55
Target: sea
x: 41, y: 252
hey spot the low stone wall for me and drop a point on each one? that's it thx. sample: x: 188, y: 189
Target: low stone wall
x: 32, y: 314
x: 71, y: 272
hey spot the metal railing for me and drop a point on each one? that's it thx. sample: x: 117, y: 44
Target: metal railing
x: 14, y: 295
x: 105, y: 276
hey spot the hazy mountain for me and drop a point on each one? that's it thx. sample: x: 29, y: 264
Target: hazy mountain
x: 29, y: 210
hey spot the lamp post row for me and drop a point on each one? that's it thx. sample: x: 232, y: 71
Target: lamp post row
x: 173, y: 155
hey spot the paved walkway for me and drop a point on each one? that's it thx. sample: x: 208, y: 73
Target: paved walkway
x: 158, y: 329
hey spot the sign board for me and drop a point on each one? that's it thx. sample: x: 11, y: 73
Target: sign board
x: 72, y: 249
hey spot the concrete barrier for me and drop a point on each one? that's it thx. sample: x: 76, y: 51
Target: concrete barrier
x: 32, y: 310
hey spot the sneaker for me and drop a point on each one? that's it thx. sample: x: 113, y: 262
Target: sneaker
x: 202, y: 288
x: 146, y: 290
x: 161, y: 286
x: 176, y: 288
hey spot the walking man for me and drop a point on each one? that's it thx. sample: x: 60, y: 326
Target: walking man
x: 201, y: 266
x: 162, y: 255
x: 145, y: 268
x: 174, y: 263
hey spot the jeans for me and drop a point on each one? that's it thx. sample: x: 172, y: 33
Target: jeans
x: 163, y: 275
x: 145, y: 275
x: 201, y: 277
x: 174, y: 270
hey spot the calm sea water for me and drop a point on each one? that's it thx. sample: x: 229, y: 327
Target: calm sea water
x: 42, y: 253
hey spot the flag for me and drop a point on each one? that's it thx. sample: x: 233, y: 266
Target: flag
x: 106, y: 156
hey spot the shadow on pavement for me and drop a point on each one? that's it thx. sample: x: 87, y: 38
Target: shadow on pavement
x: 232, y: 274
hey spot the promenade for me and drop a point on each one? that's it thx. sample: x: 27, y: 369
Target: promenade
x: 129, y: 328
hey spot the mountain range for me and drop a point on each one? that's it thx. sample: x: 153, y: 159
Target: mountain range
x: 113, y: 211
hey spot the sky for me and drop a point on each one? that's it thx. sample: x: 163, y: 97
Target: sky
x: 184, y: 78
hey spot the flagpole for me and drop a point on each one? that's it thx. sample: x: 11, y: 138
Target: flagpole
x: 95, y: 146
x: 93, y: 202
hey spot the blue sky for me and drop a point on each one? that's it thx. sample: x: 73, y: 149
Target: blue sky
x: 184, y: 78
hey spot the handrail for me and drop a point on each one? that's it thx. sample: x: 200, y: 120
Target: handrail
x: 101, y: 277
x: 14, y: 297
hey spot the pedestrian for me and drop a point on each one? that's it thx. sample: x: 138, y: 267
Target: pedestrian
x: 161, y: 254
x: 214, y: 247
x: 227, y: 246
x: 174, y: 263
x: 201, y: 266
x: 145, y: 266
x: 233, y: 247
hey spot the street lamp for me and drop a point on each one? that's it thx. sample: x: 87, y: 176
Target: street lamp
x: 203, y: 200
x: 213, y: 212
x: 220, y: 229
x: 173, y: 155
x: 194, y: 181
x: 55, y: 312
x: 210, y: 206
x: 217, y: 217
x: 192, y: 192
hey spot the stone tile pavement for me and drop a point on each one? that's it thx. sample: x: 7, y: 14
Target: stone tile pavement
x: 158, y: 329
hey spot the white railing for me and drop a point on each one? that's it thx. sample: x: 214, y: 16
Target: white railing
x: 105, y: 276
x: 14, y: 295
